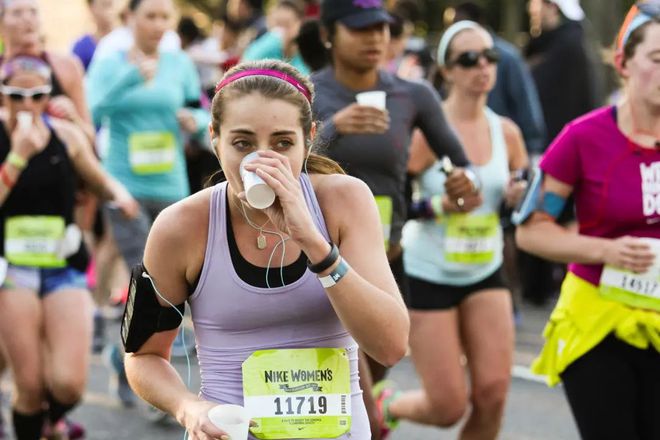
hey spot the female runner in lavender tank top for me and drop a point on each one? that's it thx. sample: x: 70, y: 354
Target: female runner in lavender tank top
x: 209, y: 243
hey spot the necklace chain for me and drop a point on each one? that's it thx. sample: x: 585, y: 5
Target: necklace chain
x: 261, y: 238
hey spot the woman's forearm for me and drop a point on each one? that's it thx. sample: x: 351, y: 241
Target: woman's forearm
x: 378, y: 321
x: 551, y: 241
x: 156, y: 381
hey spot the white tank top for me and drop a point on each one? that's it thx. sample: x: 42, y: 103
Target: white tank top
x: 457, y: 250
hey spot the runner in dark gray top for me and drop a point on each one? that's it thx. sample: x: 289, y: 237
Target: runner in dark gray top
x: 373, y: 144
x: 380, y: 159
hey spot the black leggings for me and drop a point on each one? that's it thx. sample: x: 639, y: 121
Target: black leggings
x: 614, y: 392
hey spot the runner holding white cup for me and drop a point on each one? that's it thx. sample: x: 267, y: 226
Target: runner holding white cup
x: 654, y: 244
x: 233, y: 419
x: 24, y: 120
x: 376, y: 98
x: 258, y: 194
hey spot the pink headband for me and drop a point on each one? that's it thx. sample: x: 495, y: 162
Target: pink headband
x: 266, y: 72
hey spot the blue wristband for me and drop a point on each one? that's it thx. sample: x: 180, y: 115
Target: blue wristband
x: 336, y: 275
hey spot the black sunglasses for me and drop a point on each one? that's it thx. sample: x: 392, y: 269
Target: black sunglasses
x: 19, y: 94
x: 471, y: 58
x: 652, y: 9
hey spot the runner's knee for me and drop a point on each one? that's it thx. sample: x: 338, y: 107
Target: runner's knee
x: 68, y: 389
x: 490, y: 395
x: 448, y: 410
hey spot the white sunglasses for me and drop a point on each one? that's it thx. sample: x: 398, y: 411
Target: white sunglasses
x: 21, y: 94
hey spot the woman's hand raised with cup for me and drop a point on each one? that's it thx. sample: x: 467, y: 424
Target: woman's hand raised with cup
x: 361, y: 119
x: 28, y: 141
x: 289, y: 213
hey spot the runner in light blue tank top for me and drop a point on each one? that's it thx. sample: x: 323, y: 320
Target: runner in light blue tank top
x: 460, y: 307
x: 285, y: 348
x: 432, y: 245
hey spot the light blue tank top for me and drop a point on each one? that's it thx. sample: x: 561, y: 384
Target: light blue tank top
x: 426, y: 241
x: 233, y: 319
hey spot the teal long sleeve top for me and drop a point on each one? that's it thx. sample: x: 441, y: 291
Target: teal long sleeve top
x: 145, y: 150
x: 271, y: 46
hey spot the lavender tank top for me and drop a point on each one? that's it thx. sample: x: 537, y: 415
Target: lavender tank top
x: 233, y: 319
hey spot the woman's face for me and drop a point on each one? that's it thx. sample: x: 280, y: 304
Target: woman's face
x: 151, y: 20
x: 276, y: 126
x: 643, y: 69
x: 476, y: 79
x: 286, y: 20
x: 25, y: 83
x: 361, y: 49
x: 105, y: 13
x: 21, y: 24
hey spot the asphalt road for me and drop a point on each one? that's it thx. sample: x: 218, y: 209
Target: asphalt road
x: 534, y: 412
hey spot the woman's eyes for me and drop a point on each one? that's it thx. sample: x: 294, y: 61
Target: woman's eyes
x: 241, y: 144
x: 283, y: 144
x: 280, y: 144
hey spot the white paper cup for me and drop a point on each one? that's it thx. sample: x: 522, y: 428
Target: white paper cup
x: 654, y: 244
x: 24, y: 120
x: 258, y: 194
x: 233, y: 419
x: 377, y: 98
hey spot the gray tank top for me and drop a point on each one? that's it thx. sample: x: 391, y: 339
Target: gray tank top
x: 233, y: 319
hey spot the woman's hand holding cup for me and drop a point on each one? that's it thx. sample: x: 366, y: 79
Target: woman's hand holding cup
x: 289, y: 212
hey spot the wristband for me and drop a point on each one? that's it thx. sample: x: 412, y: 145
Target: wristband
x: 327, y: 262
x: 336, y: 275
x: 6, y: 180
x: 16, y: 161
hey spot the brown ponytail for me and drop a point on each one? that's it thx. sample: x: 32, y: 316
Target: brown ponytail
x: 318, y: 164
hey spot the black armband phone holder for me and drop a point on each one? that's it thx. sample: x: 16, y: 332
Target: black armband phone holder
x: 143, y: 315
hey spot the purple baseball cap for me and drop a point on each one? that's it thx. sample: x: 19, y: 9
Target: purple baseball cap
x: 355, y: 14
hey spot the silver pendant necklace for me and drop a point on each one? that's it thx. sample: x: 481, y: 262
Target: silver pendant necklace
x: 261, y: 238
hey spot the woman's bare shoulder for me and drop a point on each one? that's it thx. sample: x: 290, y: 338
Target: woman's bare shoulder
x: 68, y: 69
x: 335, y: 188
x: 184, y: 221
x: 342, y: 200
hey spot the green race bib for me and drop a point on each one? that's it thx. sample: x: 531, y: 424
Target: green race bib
x: 299, y: 393
x: 35, y: 241
x: 152, y: 152
x: 385, y: 210
x: 471, y: 239
x: 635, y: 290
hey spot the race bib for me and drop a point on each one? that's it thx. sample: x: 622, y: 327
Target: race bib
x: 471, y: 239
x: 385, y: 210
x: 35, y: 241
x: 152, y: 152
x: 298, y: 393
x: 635, y: 290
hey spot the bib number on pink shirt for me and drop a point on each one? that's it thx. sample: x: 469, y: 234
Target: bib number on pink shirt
x: 152, y: 152
x: 471, y: 239
x: 298, y: 393
x: 632, y: 289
